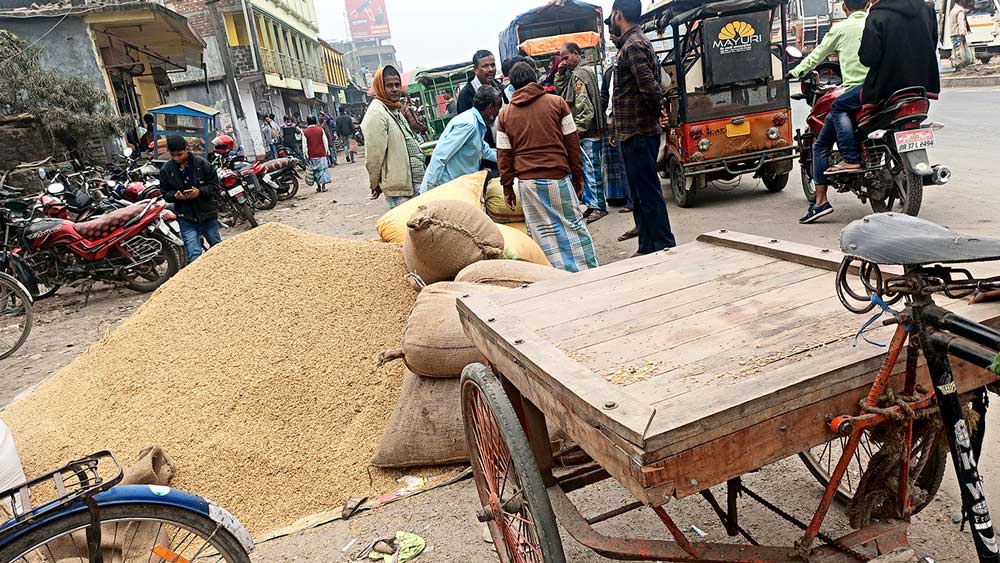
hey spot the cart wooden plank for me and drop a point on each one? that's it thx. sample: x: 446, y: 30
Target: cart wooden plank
x: 703, y: 350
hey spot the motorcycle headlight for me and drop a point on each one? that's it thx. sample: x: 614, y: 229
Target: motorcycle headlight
x: 704, y: 145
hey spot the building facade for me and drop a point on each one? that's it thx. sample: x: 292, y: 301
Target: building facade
x: 337, y: 79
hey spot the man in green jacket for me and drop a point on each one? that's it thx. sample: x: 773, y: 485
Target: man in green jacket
x: 393, y: 157
x: 844, y: 39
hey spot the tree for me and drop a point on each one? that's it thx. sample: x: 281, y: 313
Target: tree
x: 69, y: 109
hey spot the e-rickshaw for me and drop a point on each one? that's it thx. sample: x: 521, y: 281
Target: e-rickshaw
x: 728, y: 102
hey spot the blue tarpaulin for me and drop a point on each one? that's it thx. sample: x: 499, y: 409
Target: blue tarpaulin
x: 554, y: 18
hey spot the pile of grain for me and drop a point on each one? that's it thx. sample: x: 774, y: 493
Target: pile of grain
x: 253, y: 368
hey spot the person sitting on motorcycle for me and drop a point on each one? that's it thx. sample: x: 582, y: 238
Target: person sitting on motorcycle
x: 191, y: 184
x: 843, y: 38
x: 899, y: 45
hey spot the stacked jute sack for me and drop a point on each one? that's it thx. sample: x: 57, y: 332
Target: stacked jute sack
x: 452, y: 248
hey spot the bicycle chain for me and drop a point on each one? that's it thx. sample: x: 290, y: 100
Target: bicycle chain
x: 820, y: 535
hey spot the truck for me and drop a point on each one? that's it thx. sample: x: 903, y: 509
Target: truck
x: 541, y: 32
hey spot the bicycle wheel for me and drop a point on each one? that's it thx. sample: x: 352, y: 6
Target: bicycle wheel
x: 130, y: 533
x: 515, y: 504
x: 822, y: 460
x: 15, y: 315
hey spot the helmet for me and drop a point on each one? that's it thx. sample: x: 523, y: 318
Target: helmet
x: 224, y: 144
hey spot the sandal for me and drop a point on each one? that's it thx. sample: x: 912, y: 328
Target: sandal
x: 631, y: 233
x: 843, y: 168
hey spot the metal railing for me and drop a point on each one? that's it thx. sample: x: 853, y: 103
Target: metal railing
x: 290, y: 67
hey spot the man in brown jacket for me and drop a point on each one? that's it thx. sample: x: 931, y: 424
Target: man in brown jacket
x: 537, y: 142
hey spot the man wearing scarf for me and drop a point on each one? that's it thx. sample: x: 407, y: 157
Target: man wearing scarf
x: 392, y: 153
x: 577, y: 84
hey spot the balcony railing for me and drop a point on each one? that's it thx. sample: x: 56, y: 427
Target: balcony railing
x: 290, y: 67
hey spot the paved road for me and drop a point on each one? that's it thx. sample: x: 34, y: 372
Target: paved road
x: 445, y: 517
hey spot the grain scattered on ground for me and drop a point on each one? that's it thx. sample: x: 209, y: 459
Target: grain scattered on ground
x: 253, y: 368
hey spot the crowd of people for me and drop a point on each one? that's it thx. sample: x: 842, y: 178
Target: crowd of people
x: 570, y: 141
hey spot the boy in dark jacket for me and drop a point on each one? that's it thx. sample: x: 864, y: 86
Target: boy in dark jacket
x: 899, y: 47
x: 191, y: 184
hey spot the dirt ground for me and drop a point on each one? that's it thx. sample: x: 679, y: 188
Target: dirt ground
x: 445, y: 517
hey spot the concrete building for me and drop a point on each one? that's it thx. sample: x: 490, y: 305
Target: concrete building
x: 364, y: 56
x: 262, y: 57
x: 130, y: 50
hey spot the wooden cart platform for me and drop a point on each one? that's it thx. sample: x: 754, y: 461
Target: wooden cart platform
x: 680, y: 370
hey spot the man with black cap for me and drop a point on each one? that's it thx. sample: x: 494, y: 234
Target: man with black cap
x: 636, y: 105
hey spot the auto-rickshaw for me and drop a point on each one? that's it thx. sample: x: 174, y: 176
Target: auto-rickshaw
x: 728, y: 102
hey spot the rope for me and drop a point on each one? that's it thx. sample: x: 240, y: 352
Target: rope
x: 884, y: 308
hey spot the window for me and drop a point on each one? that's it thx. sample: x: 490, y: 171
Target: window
x: 236, y: 30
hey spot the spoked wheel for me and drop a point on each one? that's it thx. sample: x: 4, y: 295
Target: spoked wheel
x: 130, y: 534
x: 822, y: 461
x: 15, y: 315
x: 515, y: 504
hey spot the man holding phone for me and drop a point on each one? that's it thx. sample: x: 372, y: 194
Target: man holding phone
x: 192, y: 185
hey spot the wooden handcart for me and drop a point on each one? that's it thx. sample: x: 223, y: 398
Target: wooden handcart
x: 680, y: 371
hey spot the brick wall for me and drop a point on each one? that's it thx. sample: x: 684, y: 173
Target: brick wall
x: 242, y: 58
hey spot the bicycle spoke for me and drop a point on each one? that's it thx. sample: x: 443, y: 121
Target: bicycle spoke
x: 155, y: 537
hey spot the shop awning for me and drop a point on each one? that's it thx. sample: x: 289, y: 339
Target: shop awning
x: 160, y: 33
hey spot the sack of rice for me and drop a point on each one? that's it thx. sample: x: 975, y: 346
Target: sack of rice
x: 519, y: 246
x: 443, y: 237
x: 391, y: 227
x: 508, y: 273
x: 497, y: 208
x: 426, y: 428
x: 434, y: 343
x: 11, y: 471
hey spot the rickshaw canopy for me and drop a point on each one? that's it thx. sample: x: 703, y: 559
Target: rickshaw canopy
x: 676, y: 12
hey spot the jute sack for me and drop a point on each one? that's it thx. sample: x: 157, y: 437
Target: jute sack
x: 443, y: 237
x: 426, y: 428
x: 434, y: 343
x: 508, y: 273
x: 391, y: 226
x: 519, y: 246
x: 497, y: 208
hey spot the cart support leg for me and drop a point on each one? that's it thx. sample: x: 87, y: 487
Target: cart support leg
x: 679, y: 537
x: 733, y: 488
x: 533, y: 422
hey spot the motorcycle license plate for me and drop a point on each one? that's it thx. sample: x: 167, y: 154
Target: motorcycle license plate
x: 237, y: 191
x: 914, y: 140
x: 741, y: 130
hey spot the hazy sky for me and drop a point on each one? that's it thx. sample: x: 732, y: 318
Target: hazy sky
x: 429, y: 33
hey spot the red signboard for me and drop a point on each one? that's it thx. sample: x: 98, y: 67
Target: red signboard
x: 368, y: 18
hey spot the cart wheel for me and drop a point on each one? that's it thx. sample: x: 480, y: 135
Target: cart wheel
x: 822, y: 460
x: 516, y: 506
x: 684, y: 190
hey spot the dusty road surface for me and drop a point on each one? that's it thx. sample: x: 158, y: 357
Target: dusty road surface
x: 445, y: 517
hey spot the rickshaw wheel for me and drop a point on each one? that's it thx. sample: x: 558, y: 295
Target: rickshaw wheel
x: 515, y: 504
x: 684, y: 190
x: 775, y: 182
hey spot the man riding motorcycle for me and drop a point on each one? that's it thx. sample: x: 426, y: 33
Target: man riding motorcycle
x: 899, y: 47
x: 845, y: 39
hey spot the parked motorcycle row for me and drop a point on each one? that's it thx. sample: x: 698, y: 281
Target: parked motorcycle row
x: 110, y: 224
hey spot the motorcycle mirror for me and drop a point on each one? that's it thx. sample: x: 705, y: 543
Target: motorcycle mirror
x: 794, y: 52
x: 55, y: 189
x: 42, y: 173
x: 127, y: 152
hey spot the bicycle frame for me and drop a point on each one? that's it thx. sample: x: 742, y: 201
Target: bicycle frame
x: 937, y: 333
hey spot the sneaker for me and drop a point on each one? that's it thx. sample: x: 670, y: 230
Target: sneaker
x: 815, y: 212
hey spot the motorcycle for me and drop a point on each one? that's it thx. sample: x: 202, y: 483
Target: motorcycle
x: 133, y: 246
x: 233, y: 199
x: 893, y: 138
x: 263, y: 195
x: 282, y: 173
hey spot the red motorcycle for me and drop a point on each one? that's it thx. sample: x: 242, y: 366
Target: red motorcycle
x: 893, y: 138
x: 234, y: 202
x: 132, y: 246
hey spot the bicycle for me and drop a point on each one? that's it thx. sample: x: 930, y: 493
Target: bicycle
x: 16, y: 318
x: 924, y: 250
x: 84, y: 515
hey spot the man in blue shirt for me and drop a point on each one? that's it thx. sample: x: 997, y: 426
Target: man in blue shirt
x: 462, y: 146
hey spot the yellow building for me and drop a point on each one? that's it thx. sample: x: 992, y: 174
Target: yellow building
x: 335, y: 72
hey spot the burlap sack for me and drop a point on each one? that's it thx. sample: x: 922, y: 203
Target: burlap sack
x: 426, y: 428
x: 508, y: 273
x: 443, y: 237
x: 434, y: 343
x: 497, y: 208
x: 391, y: 227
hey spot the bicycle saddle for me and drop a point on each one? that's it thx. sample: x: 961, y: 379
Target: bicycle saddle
x: 897, y: 239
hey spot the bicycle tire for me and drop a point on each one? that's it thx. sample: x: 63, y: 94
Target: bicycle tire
x: 9, y: 283
x: 218, y: 537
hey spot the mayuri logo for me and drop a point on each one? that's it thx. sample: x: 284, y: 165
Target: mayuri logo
x: 736, y: 37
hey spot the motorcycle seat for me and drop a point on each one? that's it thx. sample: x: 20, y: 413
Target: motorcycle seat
x: 104, y: 225
x: 898, y: 239
x: 276, y: 164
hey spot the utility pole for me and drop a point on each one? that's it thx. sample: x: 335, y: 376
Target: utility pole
x: 222, y: 41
